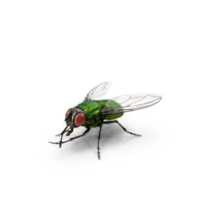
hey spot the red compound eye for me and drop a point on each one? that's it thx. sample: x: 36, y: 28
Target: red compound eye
x: 66, y: 112
x: 79, y: 119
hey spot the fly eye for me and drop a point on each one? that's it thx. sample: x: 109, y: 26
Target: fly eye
x: 79, y: 119
x: 66, y: 112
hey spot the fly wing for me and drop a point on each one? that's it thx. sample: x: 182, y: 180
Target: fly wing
x: 132, y: 102
x: 98, y: 91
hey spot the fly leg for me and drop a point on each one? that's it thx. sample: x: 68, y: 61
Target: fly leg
x: 60, y: 143
x: 125, y: 130
x: 65, y: 130
x: 122, y: 127
x: 61, y: 138
x: 77, y: 137
x: 98, y: 148
x: 112, y: 122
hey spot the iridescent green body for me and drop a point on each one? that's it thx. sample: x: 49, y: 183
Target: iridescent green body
x: 92, y: 111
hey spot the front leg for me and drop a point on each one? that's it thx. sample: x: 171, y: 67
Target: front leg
x: 64, y: 131
x: 60, y: 143
x: 67, y: 128
x: 77, y: 137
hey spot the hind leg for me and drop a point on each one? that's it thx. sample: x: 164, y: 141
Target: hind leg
x: 107, y: 123
x: 125, y: 130
x: 115, y: 121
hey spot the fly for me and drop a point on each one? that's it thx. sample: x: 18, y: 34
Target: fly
x: 94, y: 113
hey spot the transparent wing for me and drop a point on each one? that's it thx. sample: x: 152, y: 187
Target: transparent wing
x: 98, y: 91
x: 132, y: 102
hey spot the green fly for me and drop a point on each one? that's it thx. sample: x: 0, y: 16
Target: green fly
x: 94, y: 113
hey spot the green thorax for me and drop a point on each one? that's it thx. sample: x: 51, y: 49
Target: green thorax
x: 92, y: 111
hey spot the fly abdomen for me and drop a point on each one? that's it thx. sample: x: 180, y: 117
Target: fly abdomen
x: 112, y: 104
